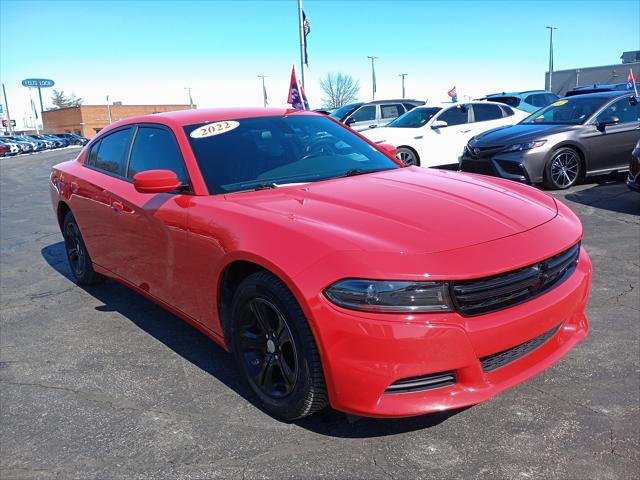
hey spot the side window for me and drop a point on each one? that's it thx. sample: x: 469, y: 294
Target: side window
x: 156, y: 149
x: 483, y: 112
x: 93, y: 153
x: 508, y: 111
x: 113, y: 151
x: 391, y: 111
x: 364, y: 114
x: 537, y: 100
x: 455, y: 115
x: 622, y: 109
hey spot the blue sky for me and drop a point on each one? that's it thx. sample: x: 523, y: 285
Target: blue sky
x: 148, y: 51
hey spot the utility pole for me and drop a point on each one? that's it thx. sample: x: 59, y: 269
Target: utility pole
x: 108, y: 110
x: 551, y: 29
x: 264, y: 91
x: 373, y: 77
x: 403, y: 75
x: 6, y: 105
x: 302, y: 40
x: 188, y: 89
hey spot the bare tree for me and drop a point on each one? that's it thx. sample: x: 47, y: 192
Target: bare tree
x: 339, y: 89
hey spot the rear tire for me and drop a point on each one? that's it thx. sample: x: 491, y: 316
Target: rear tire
x: 563, y: 170
x: 77, y: 254
x: 408, y: 156
x: 275, y: 350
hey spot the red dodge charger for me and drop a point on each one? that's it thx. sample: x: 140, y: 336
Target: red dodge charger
x: 334, y: 274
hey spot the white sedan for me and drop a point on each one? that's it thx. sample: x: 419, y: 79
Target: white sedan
x: 435, y: 136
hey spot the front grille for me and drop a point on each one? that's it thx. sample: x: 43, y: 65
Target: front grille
x: 477, y: 166
x: 480, y: 152
x: 424, y: 382
x: 485, y: 295
x: 497, y: 360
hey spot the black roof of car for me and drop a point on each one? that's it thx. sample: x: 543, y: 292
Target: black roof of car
x: 614, y: 87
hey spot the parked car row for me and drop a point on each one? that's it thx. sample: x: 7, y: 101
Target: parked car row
x: 587, y: 132
x: 18, y: 144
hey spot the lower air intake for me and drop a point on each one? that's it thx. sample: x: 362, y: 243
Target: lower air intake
x: 497, y: 360
x: 424, y: 382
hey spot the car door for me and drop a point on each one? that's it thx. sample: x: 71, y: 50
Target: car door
x: 154, y: 241
x: 363, y: 118
x: 611, y: 146
x: 439, y: 146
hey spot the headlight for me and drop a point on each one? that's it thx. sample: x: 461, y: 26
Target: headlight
x: 390, y: 296
x: 518, y: 147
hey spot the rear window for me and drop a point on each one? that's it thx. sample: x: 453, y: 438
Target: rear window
x: 511, y: 101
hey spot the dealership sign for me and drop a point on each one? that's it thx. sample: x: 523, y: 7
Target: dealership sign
x: 38, y: 82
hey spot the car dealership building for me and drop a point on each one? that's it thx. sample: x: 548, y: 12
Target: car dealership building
x: 87, y: 120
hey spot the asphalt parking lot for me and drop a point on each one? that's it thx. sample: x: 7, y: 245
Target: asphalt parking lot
x: 101, y: 383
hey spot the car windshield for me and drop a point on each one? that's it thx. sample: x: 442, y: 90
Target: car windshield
x: 567, y: 111
x: 415, y: 118
x: 345, y: 110
x: 265, y: 152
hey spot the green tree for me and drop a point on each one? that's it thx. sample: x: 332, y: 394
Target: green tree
x: 60, y: 100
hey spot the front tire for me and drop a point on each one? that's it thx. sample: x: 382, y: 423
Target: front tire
x: 77, y: 254
x: 407, y: 156
x: 275, y: 350
x: 563, y: 169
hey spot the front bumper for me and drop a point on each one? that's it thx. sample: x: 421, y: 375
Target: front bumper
x: 525, y: 167
x: 363, y: 354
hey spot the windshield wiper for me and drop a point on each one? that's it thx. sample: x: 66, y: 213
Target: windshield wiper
x: 264, y: 186
x: 360, y: 171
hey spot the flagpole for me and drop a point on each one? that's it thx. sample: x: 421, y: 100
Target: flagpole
x: 301, y: 31
x: 264, y: 91
x: 33, y: 108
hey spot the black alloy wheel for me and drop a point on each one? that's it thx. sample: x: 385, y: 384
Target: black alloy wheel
x: 267, y: 348
x: 77, y: 254
x: 275, y: 349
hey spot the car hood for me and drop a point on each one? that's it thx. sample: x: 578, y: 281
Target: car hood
x: 519, y: 133
x: 407, y: 210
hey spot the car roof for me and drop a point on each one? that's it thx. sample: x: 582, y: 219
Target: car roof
x: 506, y: 94
x: 606, y: 94
x: 190, y: 117
x: 396, y: 100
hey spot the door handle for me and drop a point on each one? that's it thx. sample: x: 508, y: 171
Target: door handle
x: 117, y: 207
x: 373, y: 126
x: 465, y: 131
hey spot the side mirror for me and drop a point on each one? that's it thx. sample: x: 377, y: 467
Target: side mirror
x: 602, y: 124
x: 388, y: 149
x: 350, y: 121
x: 156, y: 181
x: 439, y: 124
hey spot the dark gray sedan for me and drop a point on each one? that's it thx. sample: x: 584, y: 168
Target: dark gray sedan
x: 561, y: 143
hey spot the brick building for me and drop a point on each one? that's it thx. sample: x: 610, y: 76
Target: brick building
x: 88, y: 120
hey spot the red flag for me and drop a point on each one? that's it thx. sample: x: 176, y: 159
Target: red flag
x: 296, y: 97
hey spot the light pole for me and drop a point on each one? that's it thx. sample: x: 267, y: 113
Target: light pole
x: 188, y: 89
x: 551, y: 29
x: 264, y: 91
x: 373, y: 77
x: 108, y: 110
x: 403, y: 75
